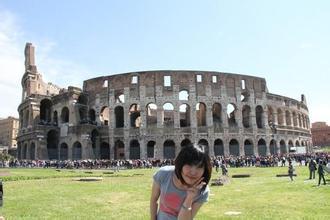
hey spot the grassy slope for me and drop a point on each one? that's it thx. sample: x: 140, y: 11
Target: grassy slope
x: 126, y: 196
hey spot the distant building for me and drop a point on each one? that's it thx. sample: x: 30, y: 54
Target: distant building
x: 320, y: 134
x: 8, y: 132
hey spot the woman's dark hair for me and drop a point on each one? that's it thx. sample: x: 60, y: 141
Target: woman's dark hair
x: 193, y: 155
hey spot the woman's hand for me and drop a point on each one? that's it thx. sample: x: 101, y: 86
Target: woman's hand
x: 193, y: 191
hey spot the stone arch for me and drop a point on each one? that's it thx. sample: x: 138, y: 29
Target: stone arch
x: 291, y: 146
x: 185, y: 142
x: 205, y: 144
x: 52, y: 144
x: 45, y: 110
x: 184, y: 95
x: 24, y: 151
x: 151, y: 149
x: 216, y: 114
x: 168, y: 114
x: 246, y: 110
x: 283, y: 149
x: 77, y: 151
x: 248, y: 147
x: 105, y: 151
x: 262, y: 147
x: 91, y: 115
x: 234, y: 147
x: 169, y: 149
x: 273, y: 147
x: 151, y: 114
x: 119, y: 116
x: 64, y: 150
x: 65, y: 115
x: 104, y: 115
x: 184, y: 110
x: 201, y: 114
x: 260, y: 116
x: 82, y: 107
x: 119, y: 149
x: 271, y: 116
x: 231, y: 115
x: 134, y: 149
x: 299, y: 121
x: 135, y: 116
x: 297, y: 143
x: 218, y: 148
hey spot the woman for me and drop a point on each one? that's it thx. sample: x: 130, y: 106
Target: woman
x: 181, y: 189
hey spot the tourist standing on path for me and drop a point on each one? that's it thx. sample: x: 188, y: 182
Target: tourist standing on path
x: 181, y: 189
x: 312, y: 167
x: 290, y: 170
x: 320, y: 171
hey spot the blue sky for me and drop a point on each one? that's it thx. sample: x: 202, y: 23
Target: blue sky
x: 286, y: 42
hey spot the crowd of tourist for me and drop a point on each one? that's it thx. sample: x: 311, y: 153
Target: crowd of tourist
x: 228, y: 161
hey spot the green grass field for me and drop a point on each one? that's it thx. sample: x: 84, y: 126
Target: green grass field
x: 50, y: 194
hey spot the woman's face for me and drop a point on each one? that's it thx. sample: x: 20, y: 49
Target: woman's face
x: 192, y: 173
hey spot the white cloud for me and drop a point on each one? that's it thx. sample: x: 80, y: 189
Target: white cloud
x: 11, y: 65
x: 61, y: 72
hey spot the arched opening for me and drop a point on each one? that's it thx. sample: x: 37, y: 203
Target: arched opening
x: 24, y: 150
x: 119, y: 115
x: 82, y: 99
x: 91, y: 115
x: 151, y: 149
x: 169, y: 149
x: 231, y: 115
x: 134, y: 150
x: 105, y: 151
x: 291, y: 147
x: 65, y: 115
x: 76, y: 151
x: 64, y: 151
x: 297, y: 144
x: 299, y: 120
x: 135, y: 118
x: 185, y: 142
x: 218, y: 148
x: 82, y: 106
x: 168, y: 115
x: 260, y: 116
x: 246, y: 110
x: 273, y: 147
x: 151, y: 115
x: 183, y: 95
x: 119, y: 150
x: 283, y: 147
x: 205, y: 144
x: 262, y: 148
x: 95, y: 138
x: 248, y: 148
x: 295, y: 119
x: 201, y: 114
x: 271, y: 116
x: 32, y: 151
x: 234, y: 147
x: 184, y: 115
x: 52, y: 144
x: 45, y: 111
x: 104, y: 115
x: 216, y: 114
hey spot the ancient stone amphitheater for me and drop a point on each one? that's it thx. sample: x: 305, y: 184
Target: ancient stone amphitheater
x: 152, y: 114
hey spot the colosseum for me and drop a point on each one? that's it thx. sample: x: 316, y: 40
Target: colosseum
x: 152, y: 114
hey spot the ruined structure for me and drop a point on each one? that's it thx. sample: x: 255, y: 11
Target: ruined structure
x: 153, y: 114
x: 320, y: 134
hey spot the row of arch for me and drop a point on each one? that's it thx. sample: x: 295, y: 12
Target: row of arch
x: 169, y: 149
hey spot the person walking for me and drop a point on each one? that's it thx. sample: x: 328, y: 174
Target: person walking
x: 312, y: 168
x: 290, y: 170
x: 320, y: 171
